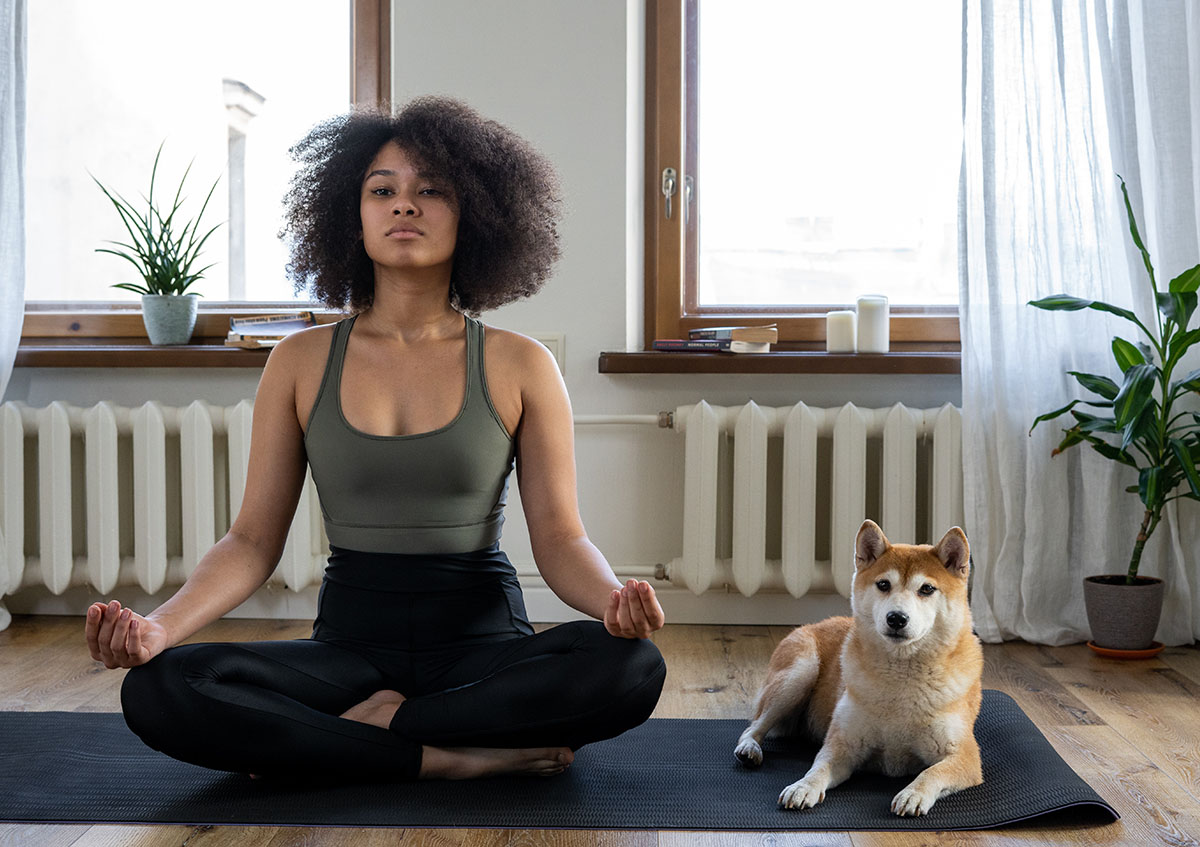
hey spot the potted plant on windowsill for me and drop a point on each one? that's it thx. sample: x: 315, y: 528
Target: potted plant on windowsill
x: 1138, y: 423
x: 164, y: 250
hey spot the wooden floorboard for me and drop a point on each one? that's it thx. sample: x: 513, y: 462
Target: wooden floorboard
x: 1131, y: 729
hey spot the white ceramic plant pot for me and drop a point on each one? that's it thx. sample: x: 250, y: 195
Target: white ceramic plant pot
x: 169, y: 318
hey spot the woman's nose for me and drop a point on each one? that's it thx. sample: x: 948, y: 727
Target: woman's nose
x: 404, y: 206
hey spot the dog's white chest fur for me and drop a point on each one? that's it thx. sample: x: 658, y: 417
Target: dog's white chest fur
x: 898, y: 738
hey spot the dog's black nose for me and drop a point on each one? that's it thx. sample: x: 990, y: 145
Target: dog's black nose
x: 897, y: 620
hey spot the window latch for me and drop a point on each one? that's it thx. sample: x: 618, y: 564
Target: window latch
x: 669, y: 181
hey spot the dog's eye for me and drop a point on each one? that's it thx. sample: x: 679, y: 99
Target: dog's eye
x: 926, y: 590
x: 884, y: 586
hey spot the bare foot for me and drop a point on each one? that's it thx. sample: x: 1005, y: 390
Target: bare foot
x: 475, y: 762
x: 377, y: 710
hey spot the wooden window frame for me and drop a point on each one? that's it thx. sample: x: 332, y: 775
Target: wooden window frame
x: 111, y: 334
x: 669, y: 311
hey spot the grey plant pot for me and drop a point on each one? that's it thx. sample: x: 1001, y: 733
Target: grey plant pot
x: 1123, y: 617
x: 169, y: 318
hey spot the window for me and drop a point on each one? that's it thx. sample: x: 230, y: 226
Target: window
x: 813, y: 152
x: 227, y: 85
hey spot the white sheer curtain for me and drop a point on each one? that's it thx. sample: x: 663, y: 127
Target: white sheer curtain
x: 12, y: 204
x: 12, y: 192
x: 1059, y: 97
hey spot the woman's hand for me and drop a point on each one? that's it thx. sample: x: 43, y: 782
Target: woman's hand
x: 121, y: 638
x: 633, y: 611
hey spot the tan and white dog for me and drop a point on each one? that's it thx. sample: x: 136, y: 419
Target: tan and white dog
x: 895, y: 688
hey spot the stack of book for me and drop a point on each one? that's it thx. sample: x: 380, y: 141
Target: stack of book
x: 255, y: 331
x: 724, y: 339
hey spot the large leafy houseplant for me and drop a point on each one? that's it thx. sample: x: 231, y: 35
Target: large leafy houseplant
x: 1137, y: 421
x: 163, y: 248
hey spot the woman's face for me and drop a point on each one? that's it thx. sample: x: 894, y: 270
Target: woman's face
x: 409, y: 218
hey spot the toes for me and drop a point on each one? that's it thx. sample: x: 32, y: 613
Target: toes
x: 910, y: 803
x: 749, y: 753
x: 801, y: 795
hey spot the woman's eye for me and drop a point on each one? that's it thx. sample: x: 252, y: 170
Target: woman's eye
x: 926, y: 590
x: 431, y: 191
x: 381, y: 192
x: 883, y: 585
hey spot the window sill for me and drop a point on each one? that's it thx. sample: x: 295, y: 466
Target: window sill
x: 898, y: 361
x: 203, y: 352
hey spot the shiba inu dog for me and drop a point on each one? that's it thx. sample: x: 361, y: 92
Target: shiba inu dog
x: 894, y: 688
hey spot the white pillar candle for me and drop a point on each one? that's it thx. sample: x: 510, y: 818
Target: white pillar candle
x: 839, y: 332
x: 873, y: 323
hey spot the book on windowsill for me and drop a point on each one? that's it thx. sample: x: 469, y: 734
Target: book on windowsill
x: 710, y: 345
x: 256, y: 331
x: 252, y: 342
x: 768, y: 333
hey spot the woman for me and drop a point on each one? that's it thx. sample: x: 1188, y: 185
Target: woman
x: 422, y: 663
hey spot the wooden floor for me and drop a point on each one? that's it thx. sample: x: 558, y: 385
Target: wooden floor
x: 1131, y: 729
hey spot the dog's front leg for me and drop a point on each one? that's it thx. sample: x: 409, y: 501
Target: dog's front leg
x: 961, y: 769
x: 834, y: 764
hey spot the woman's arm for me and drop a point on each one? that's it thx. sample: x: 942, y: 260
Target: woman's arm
x: 237, y: 565
x: 571, y: 565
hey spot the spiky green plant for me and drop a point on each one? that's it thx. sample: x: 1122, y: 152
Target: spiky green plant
x: 163, y: 249
x: 1138, y: 415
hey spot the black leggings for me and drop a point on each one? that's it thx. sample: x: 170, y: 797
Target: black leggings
x: 447, y: 632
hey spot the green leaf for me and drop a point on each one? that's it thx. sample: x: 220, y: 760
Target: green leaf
x: 1135, y: 393
x: 1148, y: 486
x: 1142, y: 429
x: 1133, y: 230
x: 129, y: 286
x: 1191, y: 382
x: 1095, y: 424
x: 1189, y: 280
x: 1126, y: 354
x: 1049, y: 416
x: 1073, y: 437
x: 1179, y: 343
x: 1108, y: 451
x: 1101, y: 385
x: 1186, y: 464
x: 1067, y: 303
x: 1177, y: 306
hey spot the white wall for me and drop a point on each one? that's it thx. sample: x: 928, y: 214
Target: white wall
x: 567, y: 75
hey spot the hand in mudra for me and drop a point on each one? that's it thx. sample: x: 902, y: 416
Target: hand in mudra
x: 633, y: 611
x: 121, y: 638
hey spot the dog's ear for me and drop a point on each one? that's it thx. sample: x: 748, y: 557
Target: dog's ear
x: 869, y: 545
x: 955, y: 552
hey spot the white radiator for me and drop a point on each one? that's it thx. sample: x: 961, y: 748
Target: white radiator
x: 110, y: 496
x: 752, y: 484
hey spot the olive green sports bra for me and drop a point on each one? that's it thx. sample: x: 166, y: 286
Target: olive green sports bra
x: 441, y: 491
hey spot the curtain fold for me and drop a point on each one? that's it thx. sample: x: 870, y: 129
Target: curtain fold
x: 1059, y: 98
x: 12, y: 191
x: 12, y: 205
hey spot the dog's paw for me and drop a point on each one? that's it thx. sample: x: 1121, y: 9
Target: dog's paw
x: 912, y: 803
x: 749, y: 753
x: 801, y: 795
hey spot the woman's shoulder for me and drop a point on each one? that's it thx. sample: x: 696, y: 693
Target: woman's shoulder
x: 514, y: 350
x: 303, y: 350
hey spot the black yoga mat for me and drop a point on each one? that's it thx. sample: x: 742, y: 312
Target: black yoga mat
x: 666, y: 774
